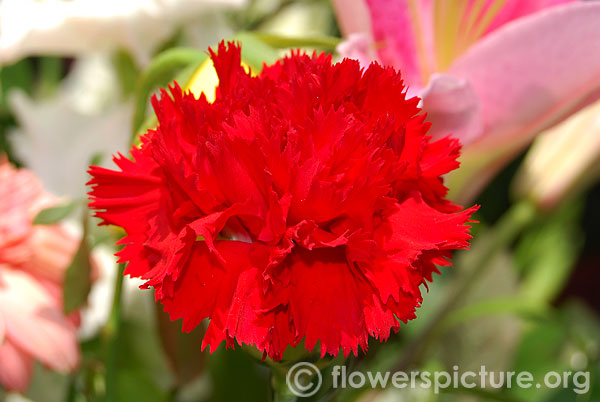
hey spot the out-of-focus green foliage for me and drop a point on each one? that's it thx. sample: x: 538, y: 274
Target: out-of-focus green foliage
x: 18, y: 75
x: 52, y: 215
x: 547, y: 253
x: 78, y: 276
x: 161, y: 71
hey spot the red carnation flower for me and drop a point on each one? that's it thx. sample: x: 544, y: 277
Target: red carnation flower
x: 304, y: 203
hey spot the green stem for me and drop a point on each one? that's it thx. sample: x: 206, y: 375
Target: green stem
x: 257, y: 22
x: 506, y: 230
x: 112, y: 334
x: 279, y: 388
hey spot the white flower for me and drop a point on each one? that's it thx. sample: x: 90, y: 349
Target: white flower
x: 75, y: 27
x: 57, y: 138
x: 58, y: 142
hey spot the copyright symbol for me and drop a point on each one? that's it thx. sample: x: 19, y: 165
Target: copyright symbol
x: 300, y: 379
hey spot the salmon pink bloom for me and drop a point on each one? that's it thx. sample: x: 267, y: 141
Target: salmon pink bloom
x: 304, y: 203
x: 494, y: 73
x: 33, y: 260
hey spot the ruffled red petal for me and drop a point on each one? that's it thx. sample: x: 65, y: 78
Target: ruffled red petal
x: 305, y: 203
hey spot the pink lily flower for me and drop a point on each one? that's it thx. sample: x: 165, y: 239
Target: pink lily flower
x: 33, y: 260
x: 492, y: 72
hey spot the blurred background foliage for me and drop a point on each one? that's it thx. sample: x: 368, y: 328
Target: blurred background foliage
x: 536, y: 307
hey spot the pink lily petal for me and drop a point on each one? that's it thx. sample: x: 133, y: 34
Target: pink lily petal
x: 35, y: 323
x: 452, y: 107
x: 543, y: 65
x: 394, y: 32
x: 360, y: 47
x: 352, y: 17
x: 528, y: 75
x: 513, y: 9
x: 16, y: 368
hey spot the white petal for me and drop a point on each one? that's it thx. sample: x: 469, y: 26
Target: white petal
x: 69, y: 28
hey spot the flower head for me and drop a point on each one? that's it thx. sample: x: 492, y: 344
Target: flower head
x: 33, y: 260
x: 304, y: 203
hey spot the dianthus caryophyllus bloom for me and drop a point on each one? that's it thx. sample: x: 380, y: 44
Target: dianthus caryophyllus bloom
x: 33, y: 260
x: 517, y: 66
x: 304, y: 203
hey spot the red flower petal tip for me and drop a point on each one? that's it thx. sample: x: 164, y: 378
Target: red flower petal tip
x: 305, y: 203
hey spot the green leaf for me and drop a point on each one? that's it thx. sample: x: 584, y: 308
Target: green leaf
x: 181, y: 63
x: 135, y: 384
x: 183, y: 76
x: 19, y: 75
x: 162, y: 70
x: 283, y: 42
x: 77, y: 282
x: 228, y: 367
x: 50, y: 74
x: 127, y: 71
x: 141, y: 371
x: 539, y: 353
x: 548, y: 252
x: 180, y: 347
x: 500, y: 396
x: 498, y: 306
x: 255, y: 52
x: 52, y: 215
x: 96, y: 159
x: 583, y: 326
x: 47, y: 385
